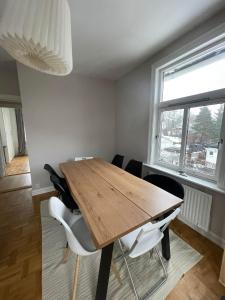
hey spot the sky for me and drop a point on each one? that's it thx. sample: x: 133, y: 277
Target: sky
x: 205, y: 78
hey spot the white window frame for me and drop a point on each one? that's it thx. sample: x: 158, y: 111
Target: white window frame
x: 186, y: 108
x: 211, y: 41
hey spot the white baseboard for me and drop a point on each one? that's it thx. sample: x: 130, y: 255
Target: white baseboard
x: 43, y: 190
x: 208, y: 234
x: 216, y: 239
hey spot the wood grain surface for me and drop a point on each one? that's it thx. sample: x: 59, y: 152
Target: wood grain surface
x: 112, y: 201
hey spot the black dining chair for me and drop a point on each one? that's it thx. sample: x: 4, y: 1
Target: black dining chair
x: 51, y: 171
x: 61, y: 186
x: 134, y: 167
x: 171, y: 186
x: 166, y: 183
x: 64, y: 192
x: 118, y: 160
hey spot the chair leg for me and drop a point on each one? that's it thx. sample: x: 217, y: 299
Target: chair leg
x: 129, y: 273
x: 150, y: 254
x: 76, y: 277
x: 159, y: 283
x: 66, y: 253
x: 162, y: 263
x: 116, y: 273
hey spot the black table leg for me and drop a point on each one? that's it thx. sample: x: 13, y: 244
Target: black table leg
x: 166, y: 244
x: 166, y: 241
x: 104, y: 272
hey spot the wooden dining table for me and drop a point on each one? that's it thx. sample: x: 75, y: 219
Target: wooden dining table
x: 113, y: 203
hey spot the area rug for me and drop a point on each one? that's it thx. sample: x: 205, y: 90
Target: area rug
x: 57, y: 277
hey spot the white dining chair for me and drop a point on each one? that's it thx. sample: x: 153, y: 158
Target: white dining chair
x: 77, y: 234
x: 143, y: 240
x: 83, y: 158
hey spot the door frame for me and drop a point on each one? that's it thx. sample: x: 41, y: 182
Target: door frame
x: 9, y: 101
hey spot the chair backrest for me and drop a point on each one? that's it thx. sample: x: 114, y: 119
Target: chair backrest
x: 163, y: 224
x: 57, y: 184
x: 134, y: 167
x: 148, y: 228
x: 83, y: 158
x: 61, y: 213
x: 64, y: 192
x: 166, y: 183
x: 118, y: 160
x: 50, y: 170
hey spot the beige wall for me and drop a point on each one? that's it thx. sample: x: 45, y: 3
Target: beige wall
x: 65, y: 117
x: 132, y: 118
x: 9, y: 84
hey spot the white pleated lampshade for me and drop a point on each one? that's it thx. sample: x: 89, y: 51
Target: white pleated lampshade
x: 37, y: 33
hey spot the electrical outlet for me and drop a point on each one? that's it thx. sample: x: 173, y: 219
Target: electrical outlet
x: 37, y: 185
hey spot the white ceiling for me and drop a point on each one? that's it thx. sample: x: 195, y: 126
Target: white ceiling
x: 110, y: 37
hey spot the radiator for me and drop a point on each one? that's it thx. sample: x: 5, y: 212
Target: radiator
x: 196, y: 208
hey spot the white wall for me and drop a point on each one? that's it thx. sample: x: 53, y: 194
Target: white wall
x: 2, y: 143
x: 8, y: 133
x: 65, y: 117
x: 14, y: 132
x: 8, y: 130
x: 2, y: 159
x: 132, y: 115
x: 2, y: 128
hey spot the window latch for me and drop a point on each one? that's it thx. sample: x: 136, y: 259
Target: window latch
x: 220, y: 142
x: 182, y: 173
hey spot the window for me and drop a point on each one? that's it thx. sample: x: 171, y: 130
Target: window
x: 203, y: 139
x: 171, y: 136
x: 202, y: 75
x: 190, y: 114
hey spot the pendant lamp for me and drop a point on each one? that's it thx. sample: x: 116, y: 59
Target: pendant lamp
x: 37, y: 33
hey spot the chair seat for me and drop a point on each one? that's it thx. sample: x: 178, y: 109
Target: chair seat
x: 147, y: 242
x: 80, y: 230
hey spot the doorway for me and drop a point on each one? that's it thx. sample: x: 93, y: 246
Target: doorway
x: 14, y: 157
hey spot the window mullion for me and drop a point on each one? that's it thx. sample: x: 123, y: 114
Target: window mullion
x: 157, y: 138
x: 184, y: 139
x: 220, y: 173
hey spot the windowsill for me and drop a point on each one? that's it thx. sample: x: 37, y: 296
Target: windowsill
x: 211, y: 186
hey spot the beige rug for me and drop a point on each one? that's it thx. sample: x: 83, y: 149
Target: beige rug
x: 57, y: 277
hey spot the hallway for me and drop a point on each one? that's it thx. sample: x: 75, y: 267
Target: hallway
x: 18, y: 165
x: 14, y: 183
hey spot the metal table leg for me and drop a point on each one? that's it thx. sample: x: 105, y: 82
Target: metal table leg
x: 104, y: 272
x: 166, y: 244
x: 166, y: 241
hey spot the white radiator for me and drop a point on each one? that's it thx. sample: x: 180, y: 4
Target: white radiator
x: 196, y: 208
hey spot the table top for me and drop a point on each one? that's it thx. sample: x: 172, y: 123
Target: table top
x: 112, y: 201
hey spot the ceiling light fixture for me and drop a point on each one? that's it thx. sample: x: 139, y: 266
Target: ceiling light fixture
x: 37, y: 33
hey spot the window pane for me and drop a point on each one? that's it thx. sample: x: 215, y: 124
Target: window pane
x: 202, y: 139
x: 170, y: 137
x: 196, y: 78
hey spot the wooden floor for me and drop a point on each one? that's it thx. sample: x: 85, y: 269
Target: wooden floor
x: 19, y: 165
x: 20, y: 251
x: 201, y: 282
x: 20, y: 254
x: 15, y: 182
